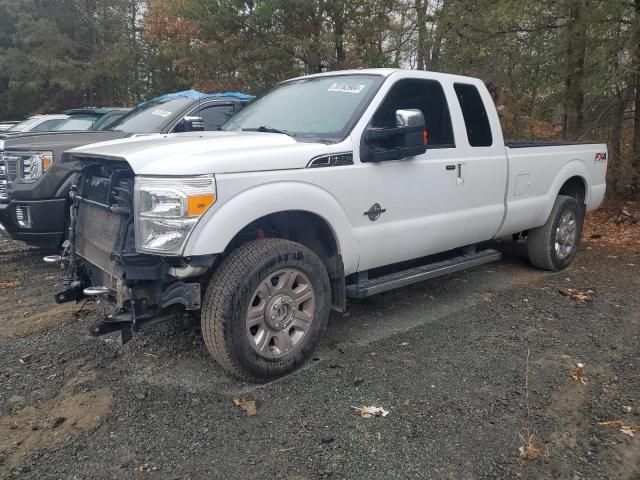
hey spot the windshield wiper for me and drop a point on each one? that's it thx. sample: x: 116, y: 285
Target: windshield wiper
x: 262, y: 128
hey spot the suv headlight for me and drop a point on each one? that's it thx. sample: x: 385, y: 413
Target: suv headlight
x: 28, y: 166
x: 167, y: 209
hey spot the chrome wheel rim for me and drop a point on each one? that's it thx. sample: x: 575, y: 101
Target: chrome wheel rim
x: 566, y: 235
x: 280, y: 313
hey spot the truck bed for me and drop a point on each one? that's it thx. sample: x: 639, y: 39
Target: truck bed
x: 537, y: 171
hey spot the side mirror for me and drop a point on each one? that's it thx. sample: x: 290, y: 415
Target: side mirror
x: 405, y: 140
x: 193, y: 124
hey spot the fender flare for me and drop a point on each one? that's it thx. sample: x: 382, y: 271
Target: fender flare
x: 223, y: 221
x: 573, y: 168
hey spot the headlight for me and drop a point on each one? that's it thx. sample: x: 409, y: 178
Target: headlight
x: 167, y: 209
x: 27, y: 166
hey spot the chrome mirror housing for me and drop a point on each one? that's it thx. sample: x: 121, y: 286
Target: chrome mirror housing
x: 409, y: 118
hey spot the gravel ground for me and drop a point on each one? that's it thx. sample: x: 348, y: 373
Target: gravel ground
x: 447, y: 358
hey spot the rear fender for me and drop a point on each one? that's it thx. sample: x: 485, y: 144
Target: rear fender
x: 531, y: 212
x: 575, y: 168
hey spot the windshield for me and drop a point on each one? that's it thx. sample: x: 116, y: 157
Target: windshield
x: 25, y: 125
x: 76, y: 122
x: 316, y: 108
x: 152, y: 116
x: 107, y: 121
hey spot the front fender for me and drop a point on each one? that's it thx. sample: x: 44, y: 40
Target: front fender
x: 224, y: 220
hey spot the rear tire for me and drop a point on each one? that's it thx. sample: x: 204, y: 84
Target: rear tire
x: 266, y: 308
x: 553, y: 245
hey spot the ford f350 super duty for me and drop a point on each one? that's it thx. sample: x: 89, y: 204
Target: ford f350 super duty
x: 331, y: 186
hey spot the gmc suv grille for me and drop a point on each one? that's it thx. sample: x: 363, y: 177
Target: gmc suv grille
x: 8, y: 174
x: 3, y: 182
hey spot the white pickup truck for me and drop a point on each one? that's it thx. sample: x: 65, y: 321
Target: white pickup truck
x: 336, y: 185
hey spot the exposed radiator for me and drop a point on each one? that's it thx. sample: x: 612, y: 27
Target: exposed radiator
x: 97, y: 235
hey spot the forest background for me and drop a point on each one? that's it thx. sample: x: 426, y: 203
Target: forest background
x: 558, y: 69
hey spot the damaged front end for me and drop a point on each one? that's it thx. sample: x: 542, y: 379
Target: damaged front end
x: 100, y: 258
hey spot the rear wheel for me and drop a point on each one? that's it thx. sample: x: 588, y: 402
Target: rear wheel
x: 553, y: 245
x: 266, y: 308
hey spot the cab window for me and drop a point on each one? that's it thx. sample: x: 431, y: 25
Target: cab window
x: 48, y: 125
x: 426, y: 96
x: 215, y: 116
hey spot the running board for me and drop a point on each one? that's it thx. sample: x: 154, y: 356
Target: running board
x: 366, y: 288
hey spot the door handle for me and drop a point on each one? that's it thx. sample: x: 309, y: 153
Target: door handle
x: 461, y: 174
x: 450, y: 167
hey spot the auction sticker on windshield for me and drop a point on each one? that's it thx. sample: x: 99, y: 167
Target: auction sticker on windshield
x: 161, y: 113
x: 346, y: 87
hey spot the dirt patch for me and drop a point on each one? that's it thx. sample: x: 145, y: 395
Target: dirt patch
x: 456, y: 347
x: 20, y: 325
x: 567, y: 408
x: 51, y: 423
x: 614, y: 224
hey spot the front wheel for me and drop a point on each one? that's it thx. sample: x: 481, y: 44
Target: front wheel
x: 266, y: 308
x: 554, y: 245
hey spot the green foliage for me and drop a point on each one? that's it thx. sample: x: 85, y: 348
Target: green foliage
x: 57, y: 54
x: 561, y: 68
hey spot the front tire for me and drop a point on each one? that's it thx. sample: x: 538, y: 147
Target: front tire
x: 554, y: 245
x: 266, y: 308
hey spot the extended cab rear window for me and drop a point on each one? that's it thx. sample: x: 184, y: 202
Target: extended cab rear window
x: 475, y: 115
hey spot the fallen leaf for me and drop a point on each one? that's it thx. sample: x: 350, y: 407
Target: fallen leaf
x: 578, y: 375
x: 576, y: 295
x: 248, y: 404
x: 11, y: 284
x: 627, y: 430
x: 612, y: 423
x: 407, y: 402
x: 368, y: 412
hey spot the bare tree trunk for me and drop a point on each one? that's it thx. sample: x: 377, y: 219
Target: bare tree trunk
x: 338, y: 13
x: 135, y: 92
x: 422, y: 33
x: 615, y: 154
x: 635, y: 162
x: 574, y: 88
x: 441, y: 27
x: 314, y: 61
x: 340, y: 53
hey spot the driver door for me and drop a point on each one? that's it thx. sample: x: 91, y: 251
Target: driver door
x: 412, y: 207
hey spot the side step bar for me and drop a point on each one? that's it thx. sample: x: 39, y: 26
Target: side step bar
x: 366, y: 288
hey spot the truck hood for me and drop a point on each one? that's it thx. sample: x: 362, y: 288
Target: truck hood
x: 56, y: 141
x: 198, y: 153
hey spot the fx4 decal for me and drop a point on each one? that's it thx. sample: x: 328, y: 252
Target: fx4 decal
x: 601, y: 157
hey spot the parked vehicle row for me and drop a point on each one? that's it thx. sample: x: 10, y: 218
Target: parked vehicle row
x: 85, y: 118
x: 4, y: 126
x: 34, y: 184
x: 331, y: 186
